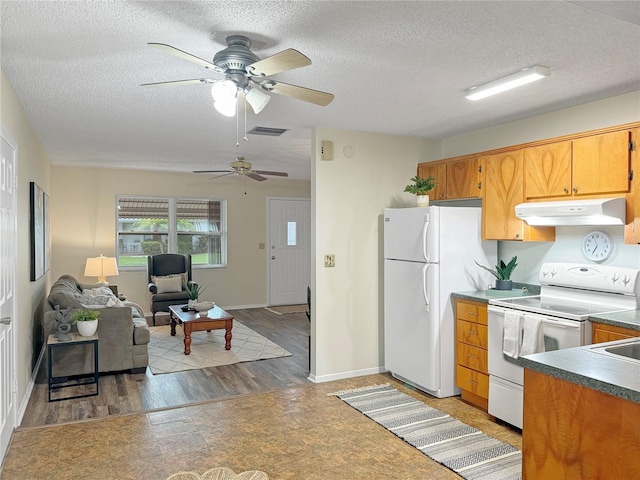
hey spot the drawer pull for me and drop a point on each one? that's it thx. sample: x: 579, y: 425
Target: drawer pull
x: 471, y: 332
x: 474, y: 314
x: 472, y: 356
x: 472, y: 382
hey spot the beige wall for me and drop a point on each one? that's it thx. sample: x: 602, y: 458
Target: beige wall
x: 33, y: 165
x: 84, y: 225
x: 590, y: 116
x: 348, y: 200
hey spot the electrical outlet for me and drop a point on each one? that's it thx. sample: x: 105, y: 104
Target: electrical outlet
x: 329, y: 260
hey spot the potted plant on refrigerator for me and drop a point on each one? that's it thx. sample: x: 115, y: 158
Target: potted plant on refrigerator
x: 421, y: 188
x: 502, y: 272
x: 86, y: 321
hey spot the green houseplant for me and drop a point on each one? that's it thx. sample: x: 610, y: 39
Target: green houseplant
x: 421, y: 188
x: 194, y: 290
x: 503, y: 272
x: 86, y: 321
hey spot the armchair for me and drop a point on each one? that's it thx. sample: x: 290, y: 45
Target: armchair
x: 167, y: 273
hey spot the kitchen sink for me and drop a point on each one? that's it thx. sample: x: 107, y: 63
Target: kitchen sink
x: 623, y: 350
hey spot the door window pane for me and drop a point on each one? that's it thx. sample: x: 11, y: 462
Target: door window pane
x: 292, y: 232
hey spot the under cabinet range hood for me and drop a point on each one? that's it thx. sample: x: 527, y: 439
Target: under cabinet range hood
x: 596, y: 211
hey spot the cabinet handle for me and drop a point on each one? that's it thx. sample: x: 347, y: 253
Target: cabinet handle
x: 566, y: 190
x: 517, y: 235
x: 472, y: 356
x: 575, y: 190
x: 472, y: 382
x: 471, y: 332
x: 473, y: 314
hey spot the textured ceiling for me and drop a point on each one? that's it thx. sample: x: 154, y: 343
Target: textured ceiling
x: 394, y: 67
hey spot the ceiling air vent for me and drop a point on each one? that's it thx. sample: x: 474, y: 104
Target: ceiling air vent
x: 269, y: 132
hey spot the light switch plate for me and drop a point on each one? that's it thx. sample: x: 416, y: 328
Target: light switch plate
x: 329, y: 260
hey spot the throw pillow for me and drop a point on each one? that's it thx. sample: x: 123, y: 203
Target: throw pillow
x: 168, y: 285
x: 88, y: 300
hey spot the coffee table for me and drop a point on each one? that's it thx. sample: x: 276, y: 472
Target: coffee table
x: 215, y: 319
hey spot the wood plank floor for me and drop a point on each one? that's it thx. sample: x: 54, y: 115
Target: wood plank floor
x: 126, y: 393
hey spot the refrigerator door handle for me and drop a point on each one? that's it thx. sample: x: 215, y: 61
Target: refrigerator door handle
x: 425, y: 227
x: 424, y: 285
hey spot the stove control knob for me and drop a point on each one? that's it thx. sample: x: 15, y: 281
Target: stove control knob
x: 545, y: 272
x: 626, y: 280
x: 615, y: 277
x: 554, y: 272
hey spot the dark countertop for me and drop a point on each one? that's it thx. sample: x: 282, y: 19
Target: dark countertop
x: 582, y: 366
x: 629, y: 319
x: 519, y: 290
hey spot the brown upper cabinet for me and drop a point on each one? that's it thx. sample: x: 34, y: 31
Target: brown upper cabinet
x: 503, y: 180
x: 632, y: 229
x: 593, y: 165
x: 455, y: 179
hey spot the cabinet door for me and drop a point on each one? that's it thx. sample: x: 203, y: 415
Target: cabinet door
x: 462, y: 179
x: 503, y: 190
x: 608, y: 333
x: 439, y: 172
x: 632, y: 229
x: 547, y: 170
x: 601, y: 163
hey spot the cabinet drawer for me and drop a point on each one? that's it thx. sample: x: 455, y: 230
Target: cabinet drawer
x: 472, y: 357
x: 471, y: 333
x: 608, y: 333
x: 473, y: 312
x: 472, y: 381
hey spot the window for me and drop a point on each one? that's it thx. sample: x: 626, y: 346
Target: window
x: 149, y: 226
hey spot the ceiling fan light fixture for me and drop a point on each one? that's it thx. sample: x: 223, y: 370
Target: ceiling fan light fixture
x: 528, y: 75
x: 257, y: 99
x: 228, y: 109
x: 225, y: 93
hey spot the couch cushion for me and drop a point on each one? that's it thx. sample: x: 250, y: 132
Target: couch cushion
x: 141, y: 333
x: 63, y: 293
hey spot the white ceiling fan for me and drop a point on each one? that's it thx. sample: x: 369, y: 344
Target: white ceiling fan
x: 243, y: 74
x: 244, y: 168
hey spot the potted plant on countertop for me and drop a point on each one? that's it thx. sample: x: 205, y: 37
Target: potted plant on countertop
x: 86, y: 321
x: 502, y: 273
x: 421, y: 188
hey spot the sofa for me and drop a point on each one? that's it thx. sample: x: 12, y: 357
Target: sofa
x: 123, y: 331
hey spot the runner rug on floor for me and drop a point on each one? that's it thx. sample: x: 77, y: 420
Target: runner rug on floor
x: 465, y: 450
x: 166, y: 353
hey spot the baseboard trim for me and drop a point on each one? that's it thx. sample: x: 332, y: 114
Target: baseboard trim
x: 32, y: 383
x: 341, y: 376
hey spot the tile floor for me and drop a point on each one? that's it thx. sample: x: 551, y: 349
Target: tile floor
x: 296, y: 433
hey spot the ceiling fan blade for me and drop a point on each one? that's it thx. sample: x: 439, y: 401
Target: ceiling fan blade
x: 301, y: 93
x: 255, y: 176
x: 178, y: 82
x: 279, y: 62
x: 275, y: 174
x: 213, y: 171
x: 223, y: 175
x: 186, y: 56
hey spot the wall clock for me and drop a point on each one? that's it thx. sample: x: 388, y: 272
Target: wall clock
x: 597, y: 246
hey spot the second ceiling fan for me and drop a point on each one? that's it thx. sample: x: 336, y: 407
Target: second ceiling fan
x: 244, y: 168
x: 243, y: 73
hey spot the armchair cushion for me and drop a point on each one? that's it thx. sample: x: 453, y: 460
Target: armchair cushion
x: 168, y: 284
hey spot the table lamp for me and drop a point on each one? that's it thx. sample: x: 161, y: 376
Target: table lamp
x: 101, y: 267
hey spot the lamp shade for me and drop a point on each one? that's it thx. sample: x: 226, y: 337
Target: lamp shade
x: 101, y: 267
x: 257, y: 99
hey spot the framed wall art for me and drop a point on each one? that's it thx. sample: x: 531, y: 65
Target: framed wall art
x: 39, y: 229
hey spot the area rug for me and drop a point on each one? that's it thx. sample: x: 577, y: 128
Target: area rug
x: 282, y: 309
x: 220, y: 473
x: 166, y: 353
x: 456, y: 445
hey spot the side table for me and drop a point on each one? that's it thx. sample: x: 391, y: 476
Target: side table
x: 56, y: 383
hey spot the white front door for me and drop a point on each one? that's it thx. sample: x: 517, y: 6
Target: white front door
x: 289, y: 250
x: 8, y: 253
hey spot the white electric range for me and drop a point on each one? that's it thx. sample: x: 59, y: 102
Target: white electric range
x: 569, y: 295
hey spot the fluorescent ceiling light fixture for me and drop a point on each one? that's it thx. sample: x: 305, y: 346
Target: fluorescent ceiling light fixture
x: 257, y: 99
x: 523, y: 77
x: 225, y: 93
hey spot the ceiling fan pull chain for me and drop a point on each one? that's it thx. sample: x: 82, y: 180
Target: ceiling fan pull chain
x: 245, y: 184
x: 237, y: 128
x: 245, y: 120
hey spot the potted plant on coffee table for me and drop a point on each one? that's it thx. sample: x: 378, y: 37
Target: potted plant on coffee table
x: 421, y: 188
x: 86, y: 321
x: 193, y: 291
x: 502, y: 272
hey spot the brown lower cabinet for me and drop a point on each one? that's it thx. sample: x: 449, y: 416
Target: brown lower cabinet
x: 472, y: 375
x: 572, y: 432
x: 608, y: 333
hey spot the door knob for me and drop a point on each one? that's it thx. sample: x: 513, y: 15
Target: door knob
x: 6, y: 320
x: 273, y: 257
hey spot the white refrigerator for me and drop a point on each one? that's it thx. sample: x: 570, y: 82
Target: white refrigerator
x: 429, y: 252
